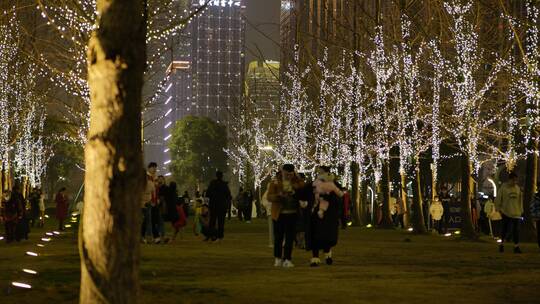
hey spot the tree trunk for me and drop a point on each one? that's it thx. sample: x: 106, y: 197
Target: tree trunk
x: 467, y: 228
x: 114, y: 179
x: 417, y: 214
x: 528, y: 231
x: 385, y: 189
x: 357, y: 198
x: 403, y: 193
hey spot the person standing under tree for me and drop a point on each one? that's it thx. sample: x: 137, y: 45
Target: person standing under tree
x: 445, y: 199
x: 220, y: 198
x: 61, y: 207
x: 10, y: 216
x: 159, y: 209
x: 34, y: 206
x: 41, y: 209
x: 285, y: 204
x: 509, y: 202
x: 149, y: 198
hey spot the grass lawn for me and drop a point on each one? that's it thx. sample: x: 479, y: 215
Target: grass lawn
x: 370, y: 266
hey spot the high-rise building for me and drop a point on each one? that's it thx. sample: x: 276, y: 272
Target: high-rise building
x: 173, y: 104
x: 217, y: 59
x: 316, y: 24
x: 263, y: 90
x: 205, y: 76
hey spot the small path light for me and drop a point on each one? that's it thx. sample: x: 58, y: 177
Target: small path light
x: 21, y: 285
x: 29, y: 271
x: 31, y: 253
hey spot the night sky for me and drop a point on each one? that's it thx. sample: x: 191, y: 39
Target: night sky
x: 262, y: 16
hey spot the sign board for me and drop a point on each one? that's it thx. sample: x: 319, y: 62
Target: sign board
x: 454, y: 215
x: 222, y: 3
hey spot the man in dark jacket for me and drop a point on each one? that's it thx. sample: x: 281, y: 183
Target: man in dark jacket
x: 220, y: 197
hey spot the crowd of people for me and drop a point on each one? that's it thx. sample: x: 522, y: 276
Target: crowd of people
x: 161, y: 203
x: 19, y: 214
x: 304, y: 212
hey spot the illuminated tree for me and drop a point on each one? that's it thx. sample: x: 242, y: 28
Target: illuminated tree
x: 114, y: 179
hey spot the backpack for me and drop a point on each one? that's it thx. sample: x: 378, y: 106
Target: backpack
x: 535, y: 207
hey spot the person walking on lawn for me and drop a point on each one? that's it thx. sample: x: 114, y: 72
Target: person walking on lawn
x: 149, y: 198
x: 61, y: 208
x: 220, y: 198
x: 282, y: 193
x: 509, y: 202
x: 325, y: 216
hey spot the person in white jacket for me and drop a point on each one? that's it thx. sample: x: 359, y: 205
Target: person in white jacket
x: 436, y: 211
x: 509, y: 203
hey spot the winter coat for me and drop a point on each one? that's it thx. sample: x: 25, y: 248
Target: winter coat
x: 149, y: 194
x: 219, y: 195
x: 277, y: 196
x: 509, y: 201
x: 436, y: 210
x: 11, y: 210
x: 325, y: 230
x: 61, y: 206
x: 34, y: 205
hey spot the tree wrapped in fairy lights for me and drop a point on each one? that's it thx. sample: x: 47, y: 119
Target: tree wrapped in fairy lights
x: 22, y: 113
x: 65, y: 57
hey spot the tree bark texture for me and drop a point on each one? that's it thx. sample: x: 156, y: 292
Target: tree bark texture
x: 109, y: 242
x: 357, y: 198
x: 467, y: 227
x: 528, y: 231
x: 417, y: 214
x: 403, y: 194
x: 385, y: 189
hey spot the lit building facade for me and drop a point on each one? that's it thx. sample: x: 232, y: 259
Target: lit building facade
x: 217, y: 59
x: 173, y: 105
x: 263, y: 90
x: 316, y: 24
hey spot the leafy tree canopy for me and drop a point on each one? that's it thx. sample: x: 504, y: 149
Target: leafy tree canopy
x: 197, y: 149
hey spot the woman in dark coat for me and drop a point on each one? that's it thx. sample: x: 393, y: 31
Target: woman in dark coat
x: 61, y: 208
x: 325, y: 217
x: 171, y: 199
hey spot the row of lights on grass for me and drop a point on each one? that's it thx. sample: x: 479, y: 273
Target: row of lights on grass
x: 47, y: 238
x: 412, y: 229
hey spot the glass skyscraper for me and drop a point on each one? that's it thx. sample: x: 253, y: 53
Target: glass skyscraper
x: 217, y: 59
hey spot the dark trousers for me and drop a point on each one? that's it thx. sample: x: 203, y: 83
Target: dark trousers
x: 315, y: 251
x: 247, y: 212
x: 437, y: 225
x: 11, y: 229
x: 507, y: 224
x: 284, y: 229
x: 156, y: 219
x: 218, y: 217
x: 146, y: 222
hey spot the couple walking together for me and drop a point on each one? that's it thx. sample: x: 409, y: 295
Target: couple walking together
x: 288, y: 194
